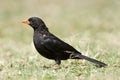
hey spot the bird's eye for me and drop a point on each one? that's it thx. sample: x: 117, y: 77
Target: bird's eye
x: 30, y: 20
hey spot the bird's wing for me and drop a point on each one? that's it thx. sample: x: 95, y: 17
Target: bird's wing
x: 54, y: 44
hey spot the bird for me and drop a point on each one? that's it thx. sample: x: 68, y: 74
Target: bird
x: 52, y: 47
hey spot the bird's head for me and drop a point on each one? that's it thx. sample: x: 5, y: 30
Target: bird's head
x: 35, y: 22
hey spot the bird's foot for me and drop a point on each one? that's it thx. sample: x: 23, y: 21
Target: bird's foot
x: 56, y: 66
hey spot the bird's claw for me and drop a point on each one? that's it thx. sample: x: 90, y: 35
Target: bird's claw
x: 56, y: 66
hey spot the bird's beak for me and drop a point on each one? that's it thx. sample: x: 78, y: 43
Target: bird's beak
x: 26, y: 22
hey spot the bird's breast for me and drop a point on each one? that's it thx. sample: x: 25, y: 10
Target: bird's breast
x: 38, y: 40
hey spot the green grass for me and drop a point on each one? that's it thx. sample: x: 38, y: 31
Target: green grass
x: 91, y: 26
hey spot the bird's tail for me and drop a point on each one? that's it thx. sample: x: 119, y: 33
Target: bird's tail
x: 99, y: 63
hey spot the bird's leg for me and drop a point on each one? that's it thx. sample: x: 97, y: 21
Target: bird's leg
x: 58, y: 62
x: 71, y: 56
x: 74, y: 56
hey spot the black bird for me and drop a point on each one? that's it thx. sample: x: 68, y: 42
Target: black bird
x: 51, y: 47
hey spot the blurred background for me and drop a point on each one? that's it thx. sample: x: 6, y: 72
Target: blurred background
x: 64, y: 18
x: 91, y: 26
